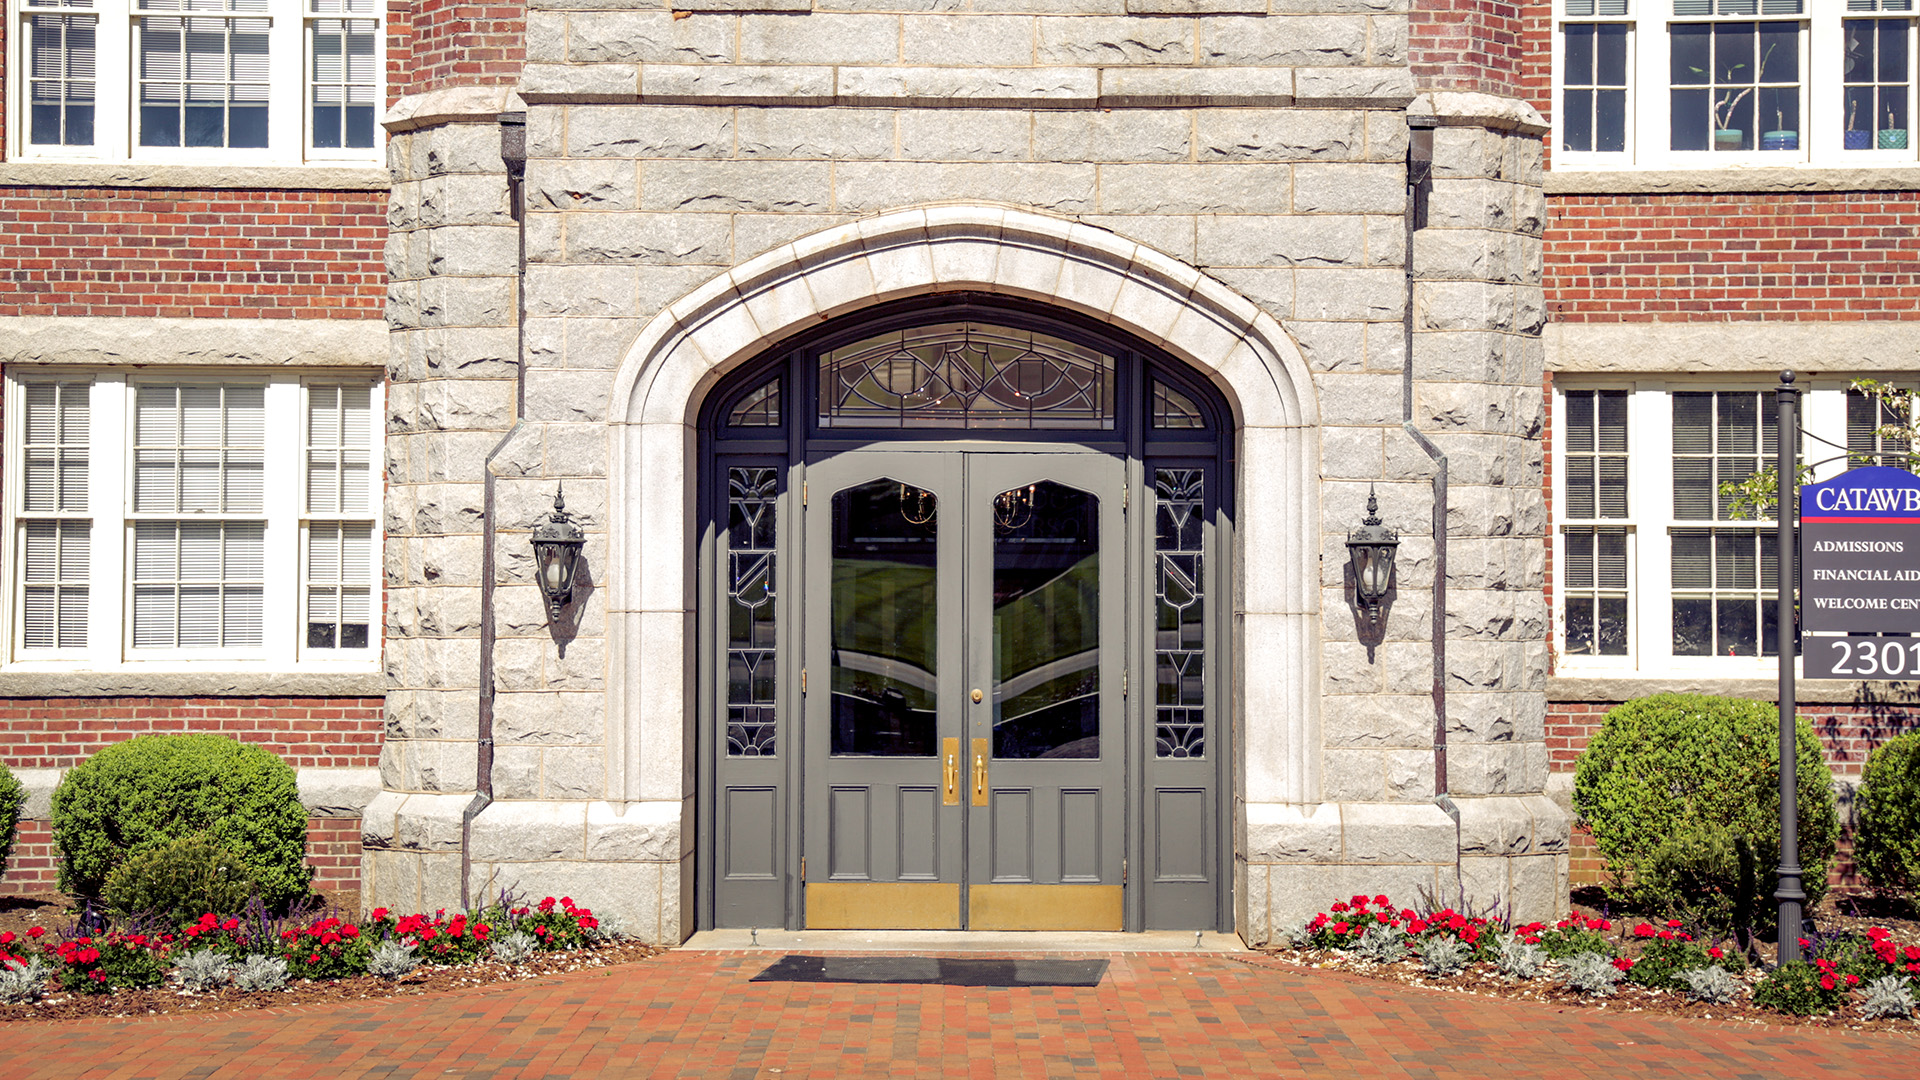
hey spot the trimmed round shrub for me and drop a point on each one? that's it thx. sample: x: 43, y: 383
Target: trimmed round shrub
x: 12, y: 797
x: 1677, y: 789
x: 151, y: 791
x: 1887, y: 843
x: 181, y: 881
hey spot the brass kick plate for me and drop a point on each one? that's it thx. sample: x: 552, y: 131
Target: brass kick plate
x: 1044, y: 907
x: 883, y: 905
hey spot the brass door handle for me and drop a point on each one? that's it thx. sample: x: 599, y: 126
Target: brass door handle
x: 950, y: 772
x: 977, y: 696
x: 979, y: 772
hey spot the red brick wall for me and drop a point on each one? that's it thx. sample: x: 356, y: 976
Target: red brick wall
x: 1467, y: 45
x: 333, y: 850
x: 451, y: 43
x: 306, y: 732
x: 192, y: 254
x: 1824, y: 256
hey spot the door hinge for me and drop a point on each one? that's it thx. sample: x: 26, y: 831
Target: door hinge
x: 1123, y: 684
x: 1123, y: 871
x: 803, y: 869
x: 803, y: 680
x: 803, y: 493
x: 1126, y: 497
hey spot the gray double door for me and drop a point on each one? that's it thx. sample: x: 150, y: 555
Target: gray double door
x: 964, y: 754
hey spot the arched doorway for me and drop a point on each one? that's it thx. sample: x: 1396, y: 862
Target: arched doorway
x: 962, y: 640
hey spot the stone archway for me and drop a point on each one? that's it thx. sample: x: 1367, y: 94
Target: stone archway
x: 686, y: 349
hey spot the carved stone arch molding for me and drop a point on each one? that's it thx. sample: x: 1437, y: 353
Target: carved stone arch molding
x: 687, y: 348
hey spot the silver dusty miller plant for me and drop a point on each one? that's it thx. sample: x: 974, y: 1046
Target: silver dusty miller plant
x: 1381, y: 944
x: 1291, y: 934
x: 1710, y: 984
x: 1519, y: 960
x: 23, y: 982
x: 1592, y: 974
x: 514, y: 948
x: 204, y: 969
x: 257, y: 973
x: 391, y: 960
x: 613, y: 928
x: 1444, y: 955
x: 1887, y: 995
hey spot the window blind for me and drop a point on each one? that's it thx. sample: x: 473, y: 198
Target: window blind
x: 198, y: 584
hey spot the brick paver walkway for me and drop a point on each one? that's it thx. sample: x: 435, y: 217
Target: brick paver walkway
x: 692, y: 1014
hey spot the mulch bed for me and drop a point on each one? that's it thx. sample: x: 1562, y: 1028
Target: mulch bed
x: 1836, y: 914
x: 54, y: 911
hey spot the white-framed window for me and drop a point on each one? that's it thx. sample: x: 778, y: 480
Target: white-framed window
x: 1654, y: 576
x: 1712, y: 83
x: 228, y: 81
x: 192, y: 519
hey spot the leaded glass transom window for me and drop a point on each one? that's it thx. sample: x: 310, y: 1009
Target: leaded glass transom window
x: 759, y: 408
x: 966, y: 375
x: 1173, y: 409
x: 751, y: 499
x: 1179, y: 630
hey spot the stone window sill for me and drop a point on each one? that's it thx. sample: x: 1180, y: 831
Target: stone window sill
x: 59, y: 684
x: 1564, y: 688
x: 242, y: 177
x: 1730, y: 181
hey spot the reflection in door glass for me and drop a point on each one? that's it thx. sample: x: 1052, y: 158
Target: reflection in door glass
x: 1046, y: 623
x: 885, y: 620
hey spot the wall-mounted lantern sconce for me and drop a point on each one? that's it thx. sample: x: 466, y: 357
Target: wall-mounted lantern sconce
x: 1370, y: 550
x: 556, y: 546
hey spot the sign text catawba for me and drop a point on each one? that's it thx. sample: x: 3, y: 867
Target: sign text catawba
x: 1860, y: 548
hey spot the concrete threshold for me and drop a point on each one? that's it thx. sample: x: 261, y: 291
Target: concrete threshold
x: 963, y: 941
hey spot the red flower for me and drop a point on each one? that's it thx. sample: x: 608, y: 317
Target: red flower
x: 1338, y: 907
x: 35, y: 931
x: 1853, y: 980
x: 6, y: 937
x: 1673, y: 924
x: 1643, y: 930
x: 1338, y: 928
x: 1911, y: 952
x: 1665, y: 935
x: 1715, y: 952
x: 1599, y: 924
x: 1826, y: 982
x: 1623, y: 963
x: 1416, y: 927
x: 1408, y: 914
x: 1879, y: 933
x: 379, y: 913
x: 1382, y: 901
x: 1804, y: 943
x: 313, y: 959
x: 1358, y: 902
x: 350, y: 931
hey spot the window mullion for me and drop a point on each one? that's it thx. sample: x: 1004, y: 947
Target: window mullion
x: 282, y: 508
x: 286, y: 87
x: 110, y: 501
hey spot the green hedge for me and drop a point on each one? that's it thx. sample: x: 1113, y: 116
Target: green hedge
x: 1887, y: 845
x: 146, y: 793
x: 12, y: 797
x: 1680, y: 790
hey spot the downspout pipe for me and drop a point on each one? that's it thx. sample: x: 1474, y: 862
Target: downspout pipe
x: 1419, y: 191
x: 513, y: 153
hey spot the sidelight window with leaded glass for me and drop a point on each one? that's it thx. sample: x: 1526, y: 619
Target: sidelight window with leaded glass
x: 752, y: 503
x: 1180, y: 617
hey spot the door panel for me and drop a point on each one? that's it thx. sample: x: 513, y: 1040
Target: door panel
x: 1047, y: 644
x: 882, y: 580
x: 964, y: 599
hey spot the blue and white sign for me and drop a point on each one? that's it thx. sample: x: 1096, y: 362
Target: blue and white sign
x: 1860, y: 550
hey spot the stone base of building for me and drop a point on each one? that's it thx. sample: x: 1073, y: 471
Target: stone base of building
x: 1504, y: 854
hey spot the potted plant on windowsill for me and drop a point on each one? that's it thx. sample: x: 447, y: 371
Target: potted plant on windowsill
x: 1726, y: 137
x: 1892, y: 138
x: 1780, y: 138
x: 1857, y: 138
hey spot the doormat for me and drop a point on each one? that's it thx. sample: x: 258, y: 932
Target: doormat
x: 934, y: 971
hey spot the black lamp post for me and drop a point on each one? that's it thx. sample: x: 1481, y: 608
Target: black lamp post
x: 1370, y: 551
x: 556, y: 547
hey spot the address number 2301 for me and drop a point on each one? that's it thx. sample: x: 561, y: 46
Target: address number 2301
x: 1862, y: 658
